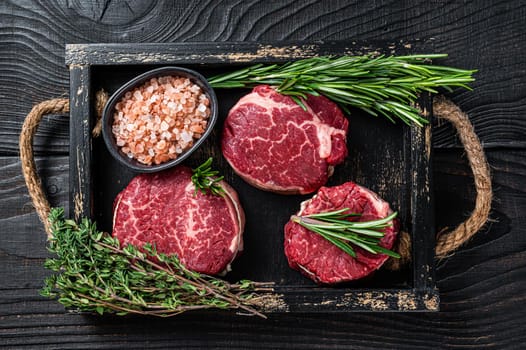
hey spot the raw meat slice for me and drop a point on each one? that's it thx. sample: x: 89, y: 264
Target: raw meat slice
x: 320, y: 260
x: 275, y: 145
x: 205, y: 231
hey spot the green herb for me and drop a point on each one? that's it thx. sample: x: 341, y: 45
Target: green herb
x: 378, y: 85
x: 94, y: 273
x: 206, y: 180
x: 335, y: 227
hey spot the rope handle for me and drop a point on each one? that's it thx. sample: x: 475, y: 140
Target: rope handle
x: 27, y: 158
x: 448, y: 242
x: 442, y: 109
x: 29, y: 128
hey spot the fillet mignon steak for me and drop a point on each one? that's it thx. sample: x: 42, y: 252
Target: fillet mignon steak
x: 275, y: 145
x: 322, y: 261
x: 205, y: 231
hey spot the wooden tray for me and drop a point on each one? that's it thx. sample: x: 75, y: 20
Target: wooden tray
x: 391, y: 159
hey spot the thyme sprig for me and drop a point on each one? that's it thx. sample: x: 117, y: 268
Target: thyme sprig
x: 335, y: 227
x: 385, y: 85
x: 95, y: 273
x: 206, y: 180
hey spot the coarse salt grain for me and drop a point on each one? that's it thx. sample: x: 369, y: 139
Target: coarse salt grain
x: 160, y: 119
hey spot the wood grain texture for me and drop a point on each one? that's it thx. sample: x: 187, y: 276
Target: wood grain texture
x: 482, y: 285
x: 35, y: 33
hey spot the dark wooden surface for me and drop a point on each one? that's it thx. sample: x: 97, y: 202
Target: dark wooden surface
x: 482, y: 285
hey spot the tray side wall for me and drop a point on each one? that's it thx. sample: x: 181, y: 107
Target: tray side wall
x: 80, y: 152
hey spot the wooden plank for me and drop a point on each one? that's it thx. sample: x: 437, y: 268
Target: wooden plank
x: 22, y: 247
x: 229, y: 52
x: 80, y: 149
x: 34, y: 70
x: 491, y: 284
x: 481, y: 285
x: 295, y: 299
x: 422, y: 226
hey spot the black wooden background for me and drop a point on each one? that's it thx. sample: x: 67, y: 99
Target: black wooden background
x: 482, y: 285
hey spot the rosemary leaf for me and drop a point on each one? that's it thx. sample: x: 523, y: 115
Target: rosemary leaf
x: 385, y: 85
x: 335, y: 227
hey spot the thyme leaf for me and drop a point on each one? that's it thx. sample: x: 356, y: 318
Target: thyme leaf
x: 95, y: 273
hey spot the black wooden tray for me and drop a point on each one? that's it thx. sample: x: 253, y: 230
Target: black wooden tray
x: 391, y: 159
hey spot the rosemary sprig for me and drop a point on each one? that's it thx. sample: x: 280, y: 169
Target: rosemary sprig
x: 95, y: 273
x: 378, y: 85
x: 206, y: 180
x: 335, y: 227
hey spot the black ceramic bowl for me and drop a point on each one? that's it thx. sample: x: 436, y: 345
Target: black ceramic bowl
x: 109, y: 111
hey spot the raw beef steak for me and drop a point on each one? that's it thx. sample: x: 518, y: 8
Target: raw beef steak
x: 205, y: 231
x: 275, y: 145
x: 322, y: 261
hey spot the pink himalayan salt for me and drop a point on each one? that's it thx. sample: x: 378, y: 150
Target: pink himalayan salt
x: 160, y: 119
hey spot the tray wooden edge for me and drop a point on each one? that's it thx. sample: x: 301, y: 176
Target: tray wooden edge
x: 423, y: 296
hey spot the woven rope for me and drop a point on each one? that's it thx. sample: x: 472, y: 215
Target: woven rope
x: 442, y: 108
x: 34, y: 185
x: 449, y: 242
x: 101, y: 97
x: 403, y: 247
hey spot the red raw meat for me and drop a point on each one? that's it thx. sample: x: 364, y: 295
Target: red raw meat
x: 205, y: 231
x: 320, y: 260
x: 275, y: 145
